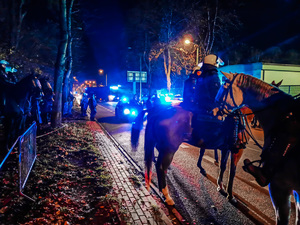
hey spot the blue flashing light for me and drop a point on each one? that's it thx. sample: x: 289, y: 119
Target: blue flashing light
x: 126, y: 111
x: 124, y: 99
x: 114, y: 87
x: 133, y: 112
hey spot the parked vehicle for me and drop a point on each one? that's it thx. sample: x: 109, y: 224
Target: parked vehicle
x: 128, y: 109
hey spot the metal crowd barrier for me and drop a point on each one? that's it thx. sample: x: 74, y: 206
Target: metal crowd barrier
x: 10, y: 150
x: 27, y: 156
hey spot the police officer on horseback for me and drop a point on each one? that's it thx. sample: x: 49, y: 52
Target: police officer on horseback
x: 208, y: 83
x: 7, y: 72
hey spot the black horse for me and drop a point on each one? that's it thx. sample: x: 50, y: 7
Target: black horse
x: 15, y: 106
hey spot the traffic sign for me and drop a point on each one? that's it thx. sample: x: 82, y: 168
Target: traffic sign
x: 134, y: 76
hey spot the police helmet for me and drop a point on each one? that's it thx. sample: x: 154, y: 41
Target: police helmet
x: 4, y: 62
x: 213, y: 60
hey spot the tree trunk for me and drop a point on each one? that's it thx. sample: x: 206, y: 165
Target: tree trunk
x: 69, y: 61
x: 167, y: 65
x: 60, y: 66
x: 16, y: 16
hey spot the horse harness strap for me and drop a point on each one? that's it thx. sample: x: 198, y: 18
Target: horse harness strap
x: 239, y: 128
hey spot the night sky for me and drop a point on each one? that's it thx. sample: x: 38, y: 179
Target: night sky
x: 269, y: 23
x: 266, y: 24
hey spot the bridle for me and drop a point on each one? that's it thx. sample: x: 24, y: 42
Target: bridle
x: 221, y: 97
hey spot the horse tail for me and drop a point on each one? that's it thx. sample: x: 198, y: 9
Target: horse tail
x: 149, y: 153
x: 136, y: 128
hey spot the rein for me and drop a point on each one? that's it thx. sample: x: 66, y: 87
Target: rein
x: 237, y: 108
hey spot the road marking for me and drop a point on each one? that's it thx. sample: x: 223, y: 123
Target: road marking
x: 183, y: 145
x: 109, y: 110
x: 210, y: 159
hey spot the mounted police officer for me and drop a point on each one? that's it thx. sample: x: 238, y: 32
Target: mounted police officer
x: 208, y: 84
x: 7, y: 72
x: 7, y: 80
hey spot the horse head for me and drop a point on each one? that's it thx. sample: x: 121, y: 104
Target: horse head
x: 245, y: 89
x: 230, y: 92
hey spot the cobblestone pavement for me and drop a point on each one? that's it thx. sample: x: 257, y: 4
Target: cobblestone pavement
x: 141, y: 206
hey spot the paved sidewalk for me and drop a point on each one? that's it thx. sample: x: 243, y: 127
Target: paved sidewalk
x: 136, y: 199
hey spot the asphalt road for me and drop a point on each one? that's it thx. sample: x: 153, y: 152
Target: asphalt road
x: 196, y: 197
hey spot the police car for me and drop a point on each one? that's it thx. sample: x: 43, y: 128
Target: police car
x: 127, y: 109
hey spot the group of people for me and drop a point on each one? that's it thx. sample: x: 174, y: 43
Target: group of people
x: 88, y: 102
x: 40, y: 107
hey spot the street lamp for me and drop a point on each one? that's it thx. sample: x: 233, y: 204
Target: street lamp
x: 101, y: 71
x: 187, y: 42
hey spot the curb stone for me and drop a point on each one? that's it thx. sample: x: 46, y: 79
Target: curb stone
x: 140, y: 205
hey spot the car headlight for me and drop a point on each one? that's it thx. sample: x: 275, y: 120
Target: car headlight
x: 126, y: 111
x: 133, y: 112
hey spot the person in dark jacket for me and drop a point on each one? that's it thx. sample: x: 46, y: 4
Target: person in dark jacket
x: 93, y: 105
x: 84, y: 104
x: 208, y: 84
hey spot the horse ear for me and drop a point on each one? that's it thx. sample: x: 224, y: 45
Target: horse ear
x: 229, y: 76
x: 279, y: 83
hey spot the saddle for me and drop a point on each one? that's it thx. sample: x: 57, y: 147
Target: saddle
x: 210, y: 133
x: 207, y: 131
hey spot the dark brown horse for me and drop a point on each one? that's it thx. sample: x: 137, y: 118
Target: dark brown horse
x: 279, y: 116
x: 167, y: 129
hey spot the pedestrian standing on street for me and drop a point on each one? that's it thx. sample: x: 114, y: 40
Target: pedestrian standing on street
x: 149, y: 103
x: 92, y: 104
x: 84, y: 104
x: 70, y: 103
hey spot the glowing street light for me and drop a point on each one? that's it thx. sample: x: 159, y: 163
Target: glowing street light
x: 101, y: 72
x: 187, y: 42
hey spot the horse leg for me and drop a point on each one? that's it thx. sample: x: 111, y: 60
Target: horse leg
x: 281, y: 203
x: 216, y: 157
x: 297, y: 206
x: 235, y: 158
x: 163, y: 162
x: 224, y: 157
x: 149, y: 155
x: 202, y: 170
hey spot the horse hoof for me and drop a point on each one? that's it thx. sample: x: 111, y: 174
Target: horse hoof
x: 232, y: 200
x: 170, y: 202
x: 203, y: 172
x: 221, y: 190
